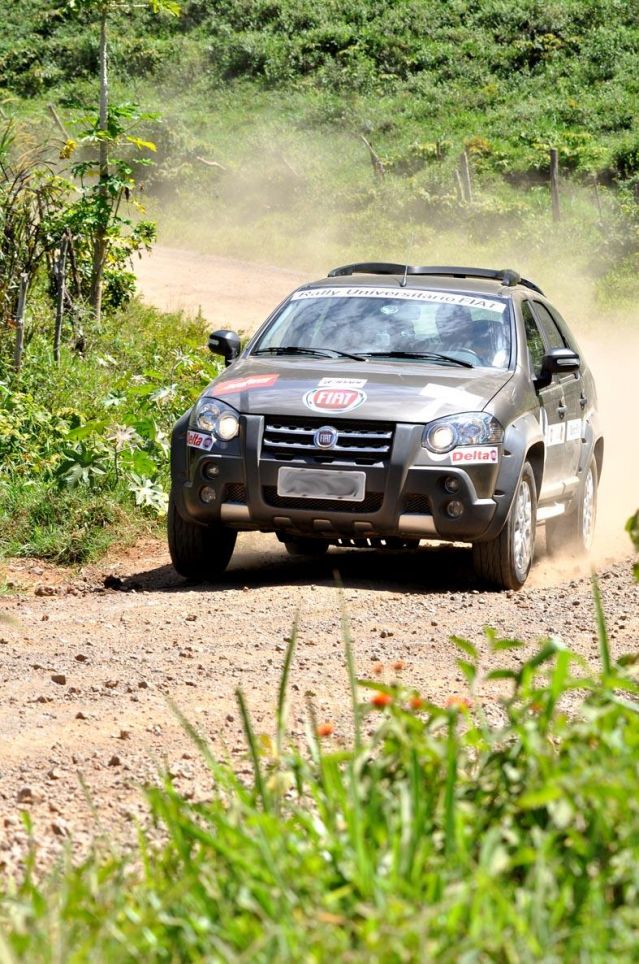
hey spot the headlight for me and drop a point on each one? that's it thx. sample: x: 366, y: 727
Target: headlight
x: 472, y: 428
x: 216, y: 417
x: 228, y: 425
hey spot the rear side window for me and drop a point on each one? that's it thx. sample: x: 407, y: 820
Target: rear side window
x: 552, y: 335
x: 534, y: 340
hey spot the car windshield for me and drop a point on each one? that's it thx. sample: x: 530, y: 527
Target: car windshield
x: 434, y: 327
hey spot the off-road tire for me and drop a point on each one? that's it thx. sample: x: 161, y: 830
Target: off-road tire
x: 306, y: 547
x: 198, y: 552
x: 496, y: 561
x: 572, y: 534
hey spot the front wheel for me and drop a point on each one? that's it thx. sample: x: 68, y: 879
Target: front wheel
x: 198, y: 552
x: 574, y: 533
x: 506, y: 560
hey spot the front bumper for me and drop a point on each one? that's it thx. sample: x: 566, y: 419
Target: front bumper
x: 405, y: 496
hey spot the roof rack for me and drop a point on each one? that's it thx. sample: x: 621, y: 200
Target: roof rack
x: 507, y: 276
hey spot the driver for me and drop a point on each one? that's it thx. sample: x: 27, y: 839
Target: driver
x: 457, y: 331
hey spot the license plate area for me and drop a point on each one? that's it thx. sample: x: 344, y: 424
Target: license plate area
x: 331, y: 484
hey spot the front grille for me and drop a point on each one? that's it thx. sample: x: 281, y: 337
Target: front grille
x: 372, y: 502
x: 358, y: 443
x: 415, y: 504
x: 235, y: 492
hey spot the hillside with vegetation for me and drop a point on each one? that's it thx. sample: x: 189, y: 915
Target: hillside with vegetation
x: 272, y: 112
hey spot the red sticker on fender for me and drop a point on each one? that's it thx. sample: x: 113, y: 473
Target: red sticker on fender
x: 243, y: 384
x: 334, y: 399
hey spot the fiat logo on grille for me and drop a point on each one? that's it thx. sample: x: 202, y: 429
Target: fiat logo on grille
x: 325, y: 437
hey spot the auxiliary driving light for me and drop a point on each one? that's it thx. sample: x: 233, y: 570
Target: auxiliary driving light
x: 452, y: 484
x: 454, y: 509
x: 211, y: 470
x: 208, y: 494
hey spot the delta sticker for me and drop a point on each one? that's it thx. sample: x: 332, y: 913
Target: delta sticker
x: 327, y: 400
x: 198, y: 441
x: 466, y: 454
x: 245, y: 384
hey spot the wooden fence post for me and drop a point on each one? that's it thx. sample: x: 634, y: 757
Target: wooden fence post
x: 376, y: 161
x: 60, y: 274
x: 22, y: 302
x: 554, y: 183
x: 465, y: 177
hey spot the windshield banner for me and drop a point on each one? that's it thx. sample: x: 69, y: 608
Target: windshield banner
x: 399, y: 294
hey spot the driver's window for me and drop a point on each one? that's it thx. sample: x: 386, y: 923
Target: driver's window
x: 534, y: 340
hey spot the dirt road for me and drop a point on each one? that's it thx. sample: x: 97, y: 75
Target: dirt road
x: 88, y: 667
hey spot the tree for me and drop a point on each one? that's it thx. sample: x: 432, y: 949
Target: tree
x: 107, y: 194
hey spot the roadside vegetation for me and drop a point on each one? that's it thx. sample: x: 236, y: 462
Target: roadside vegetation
x: 84, y: 444
x: 429, y: 832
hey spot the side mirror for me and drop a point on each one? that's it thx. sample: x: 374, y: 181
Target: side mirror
x: 225, y: 343
x: 560, y: 361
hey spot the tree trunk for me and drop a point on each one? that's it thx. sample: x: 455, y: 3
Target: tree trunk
x: 554, y: 183
x: 22, y: 301
x: 100, y: 240
x: 60, y: 271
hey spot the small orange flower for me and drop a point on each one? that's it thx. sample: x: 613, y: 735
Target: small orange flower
x: 458, y: 703
x: 415, y: 702
x: 378, y: 668
x: 398, y: 665
x: 380, y: 700
x: 325, y: 729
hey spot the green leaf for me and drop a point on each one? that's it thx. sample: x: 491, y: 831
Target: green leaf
x: 466, y: 646
x: 468, y: 669
x: 539, y: 798
x: 139, y: 143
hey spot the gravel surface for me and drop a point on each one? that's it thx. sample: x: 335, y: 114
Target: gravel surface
x: 88, y: 667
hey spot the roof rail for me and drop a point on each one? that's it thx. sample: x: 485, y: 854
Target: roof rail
x: 507, y: 276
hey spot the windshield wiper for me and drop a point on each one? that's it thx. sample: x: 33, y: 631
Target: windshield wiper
x: 434, y: 355
x: 296, y: 350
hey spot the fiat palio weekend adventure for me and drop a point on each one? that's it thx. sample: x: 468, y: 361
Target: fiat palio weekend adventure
x: 387, y: 404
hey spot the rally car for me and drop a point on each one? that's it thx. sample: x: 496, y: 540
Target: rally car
x: 388, y: 404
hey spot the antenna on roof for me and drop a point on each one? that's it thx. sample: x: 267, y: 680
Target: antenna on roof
x: 405, y: 278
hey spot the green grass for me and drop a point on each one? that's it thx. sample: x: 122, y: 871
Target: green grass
x: 84, y: 446
x: 441, y: 836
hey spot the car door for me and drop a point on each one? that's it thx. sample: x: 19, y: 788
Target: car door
x: 571, y: 384
x: 552, y: 410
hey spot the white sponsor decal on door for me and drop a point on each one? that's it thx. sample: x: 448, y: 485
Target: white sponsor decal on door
x: 573, y: 429
x: 555, y: 434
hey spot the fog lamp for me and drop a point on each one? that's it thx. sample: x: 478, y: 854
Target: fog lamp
x: 211, y: 470
x: 208, y: 494
x: 454, y: 509
x: 452, y: 484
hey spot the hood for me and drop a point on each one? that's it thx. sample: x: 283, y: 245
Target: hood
x: 397, y: 390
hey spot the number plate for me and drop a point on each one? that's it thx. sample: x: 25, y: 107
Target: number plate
x: 321, y: 484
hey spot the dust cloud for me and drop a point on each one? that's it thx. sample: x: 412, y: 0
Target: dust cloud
x: 259, y: 233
